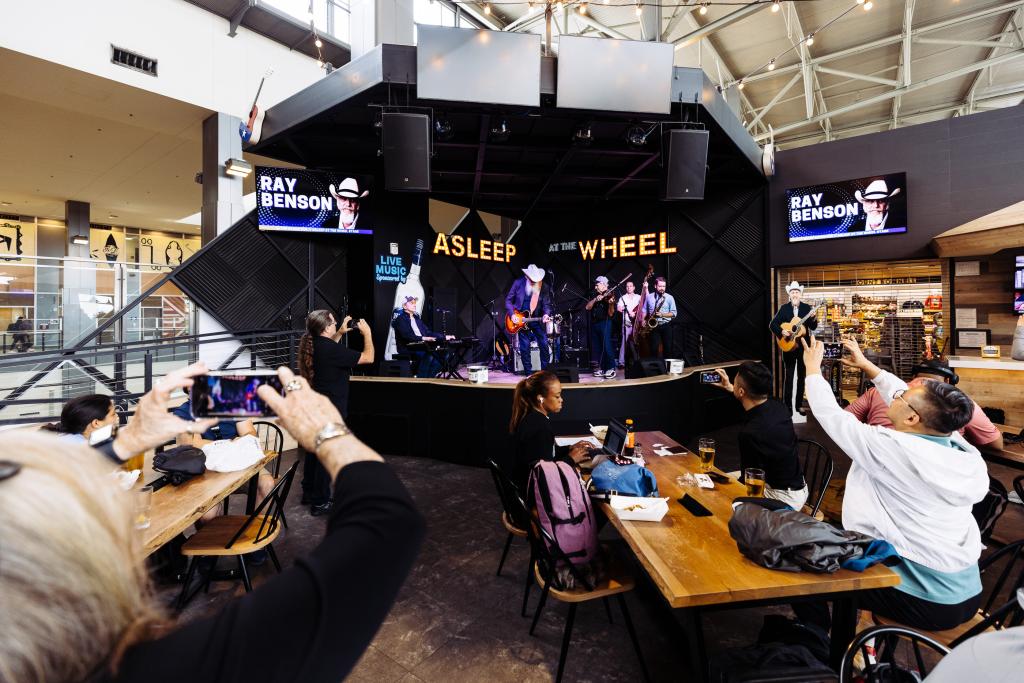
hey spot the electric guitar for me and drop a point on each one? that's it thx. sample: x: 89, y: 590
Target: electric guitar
x: 518, y: 320
x: 253, y: 129
x: 796, y: 327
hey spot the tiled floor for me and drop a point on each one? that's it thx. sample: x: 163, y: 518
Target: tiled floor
x: 456, y: 621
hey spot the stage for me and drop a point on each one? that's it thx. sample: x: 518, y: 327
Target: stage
x: 461, y: 422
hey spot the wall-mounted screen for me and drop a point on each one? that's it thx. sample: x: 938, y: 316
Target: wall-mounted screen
x: 615, y: 75
x: 1018, y: 286
x: 876, y: 205
x: 297, y: 200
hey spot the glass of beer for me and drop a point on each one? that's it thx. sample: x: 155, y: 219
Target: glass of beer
x: 706, y: 454
x: 754, y: 478
x: 143, y: 504
x: 135, y: 462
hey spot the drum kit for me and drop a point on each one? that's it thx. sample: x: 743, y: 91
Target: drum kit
x: 564, y: 335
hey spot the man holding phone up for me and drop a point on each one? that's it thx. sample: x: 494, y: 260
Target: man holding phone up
x: 767, y: 440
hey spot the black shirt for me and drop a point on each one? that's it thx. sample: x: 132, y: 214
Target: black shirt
x: 599, y: 312
x: 332, y: 366
x: 767, y: 441
x: 533, y: 440
x: 314, y: 621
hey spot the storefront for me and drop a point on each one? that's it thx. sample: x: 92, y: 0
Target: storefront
x: 895, y: 310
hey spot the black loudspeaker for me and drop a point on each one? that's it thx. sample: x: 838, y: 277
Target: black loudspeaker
x: 686, y: 159
x: 406, y: 141
x: 566, y: 373
x: 646, y: 367
x: 395, y: 368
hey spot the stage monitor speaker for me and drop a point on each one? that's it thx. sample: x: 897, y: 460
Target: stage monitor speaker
x: 686, y: 160
x: 534, y: 358
x: 406, y: 141
x: 395, y: 368
x: 646, y: 367
x: 566, y: 373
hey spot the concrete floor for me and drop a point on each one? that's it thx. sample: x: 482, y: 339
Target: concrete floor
x: 456, y: 621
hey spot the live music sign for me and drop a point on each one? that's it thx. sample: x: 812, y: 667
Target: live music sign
x: 625, y: 246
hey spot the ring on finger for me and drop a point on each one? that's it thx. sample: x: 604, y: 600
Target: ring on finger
x: 294, y: 385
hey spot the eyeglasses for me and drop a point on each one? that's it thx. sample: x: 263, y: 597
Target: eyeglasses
x: 899, y: 395
x: 8, y: 469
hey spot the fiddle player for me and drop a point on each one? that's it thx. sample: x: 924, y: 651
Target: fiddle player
x: 602, y: 308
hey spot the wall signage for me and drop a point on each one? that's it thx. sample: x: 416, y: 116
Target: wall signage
x: 469, y: 247
x: 390, y: 268
x: 626, y: 246
x: 296, y: 200
x: 563, y: 246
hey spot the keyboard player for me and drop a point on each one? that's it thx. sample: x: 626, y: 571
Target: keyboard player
x: 410, y: 329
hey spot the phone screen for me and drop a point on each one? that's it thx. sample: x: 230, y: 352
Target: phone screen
x: 232, y: 396
x: 710, y: 378
x: 833, y: 350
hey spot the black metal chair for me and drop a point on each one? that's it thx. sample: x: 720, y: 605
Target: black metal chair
x: 1018, y: 486
x: 989, y: 509
x: 271, y: 439
x: 880, y: 646
x: 546, y: 557
x: 817, y: 464
x: 513, y: 518
x: 238, y: 535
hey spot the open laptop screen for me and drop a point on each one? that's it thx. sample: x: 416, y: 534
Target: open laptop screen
x: 615, y: 441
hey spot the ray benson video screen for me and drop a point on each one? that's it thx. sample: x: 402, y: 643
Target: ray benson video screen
x: 876, y: 205
x: 298, y: 200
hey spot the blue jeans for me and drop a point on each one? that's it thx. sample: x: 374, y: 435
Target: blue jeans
x: 428, y: 364
x: 601, y: 340
x: 533, y: 331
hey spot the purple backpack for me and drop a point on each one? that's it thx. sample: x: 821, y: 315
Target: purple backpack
x: 563, y: 511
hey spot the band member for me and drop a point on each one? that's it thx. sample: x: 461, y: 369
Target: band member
x: 793, y: 360
x: 347, y: 196
x: 627, y: 306
x: 660, y: 308
x: 409, y: 328
x: 530, y: 294
x: 602, y: 308
x: 875, y: 202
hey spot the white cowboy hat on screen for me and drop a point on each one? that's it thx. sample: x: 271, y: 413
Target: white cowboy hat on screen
x: 348, y: 189
x: 877, y: 190
x: 795, y: 285
x: 533, y: 272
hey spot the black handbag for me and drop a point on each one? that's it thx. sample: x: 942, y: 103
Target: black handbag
x: 180, y: 463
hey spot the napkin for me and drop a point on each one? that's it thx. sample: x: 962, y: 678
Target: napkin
x: 230, y: 455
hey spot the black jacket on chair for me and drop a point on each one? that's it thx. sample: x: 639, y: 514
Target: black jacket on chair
x: 405, y: 334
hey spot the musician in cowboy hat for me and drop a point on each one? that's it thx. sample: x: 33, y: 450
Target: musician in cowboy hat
x: 875, y: 201
x: 531, y: 296
x: 793, y: 360
x: 347, y: 196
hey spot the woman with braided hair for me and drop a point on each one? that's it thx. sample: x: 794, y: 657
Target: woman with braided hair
x: 326, y: 365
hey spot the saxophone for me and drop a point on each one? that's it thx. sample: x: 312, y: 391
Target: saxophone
x: 652, y: 320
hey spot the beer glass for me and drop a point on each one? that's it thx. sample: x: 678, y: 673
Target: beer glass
x: 143, y: 504
x: 706, y: 454
x: 754, y: 479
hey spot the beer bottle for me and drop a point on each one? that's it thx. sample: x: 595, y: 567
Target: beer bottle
x: 630, y: 437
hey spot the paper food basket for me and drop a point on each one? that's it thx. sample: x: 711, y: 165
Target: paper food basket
x: 643, y: 509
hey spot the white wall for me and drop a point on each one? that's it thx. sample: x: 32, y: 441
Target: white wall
x: 198, y: 62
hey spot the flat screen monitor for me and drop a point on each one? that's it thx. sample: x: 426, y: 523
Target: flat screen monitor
x: 863, y: 207
x: 615, y: 75
x: 1018, y: 286
x: 297, y: 200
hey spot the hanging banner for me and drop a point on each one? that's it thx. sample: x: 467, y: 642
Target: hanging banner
x: 106, y: 244
x: 17, y: 239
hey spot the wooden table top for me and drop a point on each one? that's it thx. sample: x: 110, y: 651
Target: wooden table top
x: 176, y: 508
x: 1012, y: 455
x: 695, y: 562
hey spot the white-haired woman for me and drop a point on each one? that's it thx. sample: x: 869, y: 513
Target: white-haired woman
x: 77, y: 604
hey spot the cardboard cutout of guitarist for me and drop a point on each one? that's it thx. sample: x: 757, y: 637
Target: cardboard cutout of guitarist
x: 793, y: 321
x: 527, y: 308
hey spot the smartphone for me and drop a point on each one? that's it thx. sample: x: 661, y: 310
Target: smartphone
x: 718, y: 478
x: 710, y: 377
x: 675, y: 450
x: 232, y: 394
x: 833, y: 350
x: 694, y: 507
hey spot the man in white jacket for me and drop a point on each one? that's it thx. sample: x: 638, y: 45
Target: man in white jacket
x: 914, y: 486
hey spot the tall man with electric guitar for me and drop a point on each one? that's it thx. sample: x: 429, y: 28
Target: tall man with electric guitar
x: 527, y: 308
x: 794, y: 320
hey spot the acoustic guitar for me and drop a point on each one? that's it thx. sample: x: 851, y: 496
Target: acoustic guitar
x: 796, y: 326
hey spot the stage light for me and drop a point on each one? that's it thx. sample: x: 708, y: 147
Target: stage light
x: 636, y: 136
x: 703, y: 8
x: 810, y: 39
x: 583, y: 135
x: 771, y: 65
x: 443, y: 128
x: 583, y: 8
x: 500, y: 131
x: 237, y: 168
x: 775, y: 5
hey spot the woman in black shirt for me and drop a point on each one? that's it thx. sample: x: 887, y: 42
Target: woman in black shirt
x: 535, y: 398
x: 327, y: 365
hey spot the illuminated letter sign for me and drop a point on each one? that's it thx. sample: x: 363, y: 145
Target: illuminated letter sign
x: 477, y: 249
x: 626, y: 246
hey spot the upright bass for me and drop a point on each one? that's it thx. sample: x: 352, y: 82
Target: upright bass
x: 638, y: 345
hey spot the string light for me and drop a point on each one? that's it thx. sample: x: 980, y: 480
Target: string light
x: 868, y: 5
x: 487, y: 8
x: 740, y: 84
x: 810, y: 39
x: 771, y: 65
x: 583, y: 8
x: 639, y: 9
x: 318, y: 42
x: 704, y: 7
x: 776, y: 6
x: 531, y: 8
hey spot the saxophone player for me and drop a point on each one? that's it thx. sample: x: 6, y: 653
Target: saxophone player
x: 659, y: 312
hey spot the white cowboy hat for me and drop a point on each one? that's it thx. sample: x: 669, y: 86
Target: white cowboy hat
x: 348, y: 189
x: 795, y: 285
x: 876, y: 191
x: 533, y: 272
x: 600, y: 280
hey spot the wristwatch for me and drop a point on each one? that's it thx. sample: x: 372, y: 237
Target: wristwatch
x: 330, y: 431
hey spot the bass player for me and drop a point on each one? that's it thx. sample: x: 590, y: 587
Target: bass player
x: 793, y: 360
x: 527, y: 297
x: 659, y: 312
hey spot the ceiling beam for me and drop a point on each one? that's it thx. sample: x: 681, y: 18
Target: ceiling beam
x: 973, y: 89
x: 701, y: 32
x: 595, y: 24
x: 677, y: 16
x: 891, y: 40
x: 904, y: 60
x: 775, y: 100
x: 884, y: 97
x: 962, y: 43
x: 812, y: 87
x: 859, y: 77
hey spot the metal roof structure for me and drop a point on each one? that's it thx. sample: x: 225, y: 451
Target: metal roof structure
x: 810, y: 71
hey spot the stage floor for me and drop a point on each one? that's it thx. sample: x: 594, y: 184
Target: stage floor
x: 500, y: 377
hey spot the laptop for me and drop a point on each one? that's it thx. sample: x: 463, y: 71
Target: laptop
x: 614, y: 443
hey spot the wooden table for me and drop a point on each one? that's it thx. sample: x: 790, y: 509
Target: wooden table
x: 1012, y: 455
x: 696, y: 565
x: 175, y: 508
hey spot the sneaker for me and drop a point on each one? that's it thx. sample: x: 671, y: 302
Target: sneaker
x: 799, y: 419
x: 599, y: 373
x: 610, y: 374
x: 322, y: 509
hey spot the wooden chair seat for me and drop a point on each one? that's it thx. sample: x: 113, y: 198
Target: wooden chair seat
x: 215, y: 534
x: 616, y: 580
x: 510, y: 527
x: 944, y: 637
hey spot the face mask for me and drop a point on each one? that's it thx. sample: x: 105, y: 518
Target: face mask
x: 100, y: 435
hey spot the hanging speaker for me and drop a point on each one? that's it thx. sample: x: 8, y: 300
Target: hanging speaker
x: 406, y: 141
x: 686, y: 159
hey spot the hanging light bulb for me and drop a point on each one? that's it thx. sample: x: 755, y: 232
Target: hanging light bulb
x: 704, y: 8
x: 740, y: 84
x: 771, y: 65
x: 810, y: 39
x: 776, y: 6
x: 639, y: 9
x: 583, y: 8
x: 868, y: 5
x: 487, y: 8
x: 318, y: 42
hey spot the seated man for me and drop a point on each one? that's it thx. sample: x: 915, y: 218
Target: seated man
x: 767, y: 440
x: 870, y: 408
x: 409, y: 328
x: 913, y: 485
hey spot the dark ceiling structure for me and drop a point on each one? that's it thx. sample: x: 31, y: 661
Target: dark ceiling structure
x: 508, y: 160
